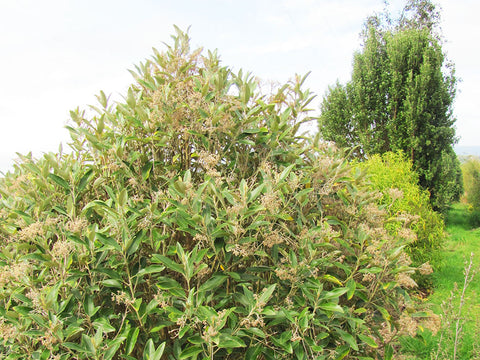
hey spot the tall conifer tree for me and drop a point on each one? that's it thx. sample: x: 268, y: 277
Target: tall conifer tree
x: 400, y: 97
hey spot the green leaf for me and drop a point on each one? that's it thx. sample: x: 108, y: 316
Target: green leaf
x: 169, y: 263
x: 243, y: 188
x: 388, y: 352
x: 75, y: 347
x: 89, y: 307
x: 213, y: 283
x: 267, y: 294
x: 384, y: 313
x: 171, y: 285
x: 148, y: 350
x: 152, y: 269
x: 191, y: 352
x: 341, y: 352
x: 348, y: 338
x: 122, y: 198
x: 368, y: 340
x: 88, y: 344
x: 112, y: 283
x: 84, y: 180
x: 183, y: 331
x: 52, y: 295
x: 134, y: 243
x: 60, y: 181
x: 255, y: 131
x: 112, y: 350
x: 131, y: 340
x: 159, y: 352
x: 108, y: 241
x: 146, y: 170
x: 335, y: 293
x: 286, y: 171
x: 253, y: 352
x: 256, y: 331
x: 331, y: 307
x: 351, y: 285
x: 131, y: 102
x: 226, y: 341
x: 104, y: 324
x: 255, y: 192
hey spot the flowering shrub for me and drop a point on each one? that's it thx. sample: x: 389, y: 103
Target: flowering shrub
x: 192, y: 221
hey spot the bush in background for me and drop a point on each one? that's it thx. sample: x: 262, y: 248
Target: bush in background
x: 192, y: 221
x: 471, y: 184
x: 393, y: 175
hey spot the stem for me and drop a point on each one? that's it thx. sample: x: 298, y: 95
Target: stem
x: 458, y: 324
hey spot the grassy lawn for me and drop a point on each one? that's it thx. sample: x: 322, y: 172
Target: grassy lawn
x: 463, y: 241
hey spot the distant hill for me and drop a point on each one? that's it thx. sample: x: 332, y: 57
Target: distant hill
x: 467, y: 150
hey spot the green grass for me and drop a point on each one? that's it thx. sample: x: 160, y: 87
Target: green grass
x: 463, y: 240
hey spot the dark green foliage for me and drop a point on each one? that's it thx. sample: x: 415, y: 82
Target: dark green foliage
x: 192, y: 221
x: 400, y: 97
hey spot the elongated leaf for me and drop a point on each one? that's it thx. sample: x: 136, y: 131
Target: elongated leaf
x: 89, y: 306
x: 213, y: 283
x: 332, y: 279
x: 286, y: 171
x: 122, y: 198
x: 191, y: 352
x: 152, y: 269
x: 368, y: 340
x: 60, y: 181
x: 108, y: 241
x: 384, y: 312
x: 335, y: 293
x: 112, y: 350
x: 146, y: 169
x: 157, y: 258
x: 112, y: 283
x: 331, y: 307
x: 82, y: 184
x: 148, y: 350
x: 75, y: 347
x: 131, y: 340
x: 88, y: 344
x: 255, y: 192
x: 133, y: 245
x: 351, y: 285
x: 230, y: 342
x: 267, y: 294
x: 348, y: 338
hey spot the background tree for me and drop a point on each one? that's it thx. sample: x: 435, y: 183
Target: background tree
x: 400, y: 97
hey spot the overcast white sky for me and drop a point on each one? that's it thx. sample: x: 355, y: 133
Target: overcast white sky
x: 56, y: 55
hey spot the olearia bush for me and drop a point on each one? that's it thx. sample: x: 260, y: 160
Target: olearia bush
x: 392, y: 174
x: 192, y: 221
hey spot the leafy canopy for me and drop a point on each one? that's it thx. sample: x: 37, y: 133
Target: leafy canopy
x: 192, y: 221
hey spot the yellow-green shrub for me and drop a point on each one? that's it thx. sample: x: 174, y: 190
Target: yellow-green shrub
x: 393, y: 175
x: 471, y: 184
x: 193, y: 222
